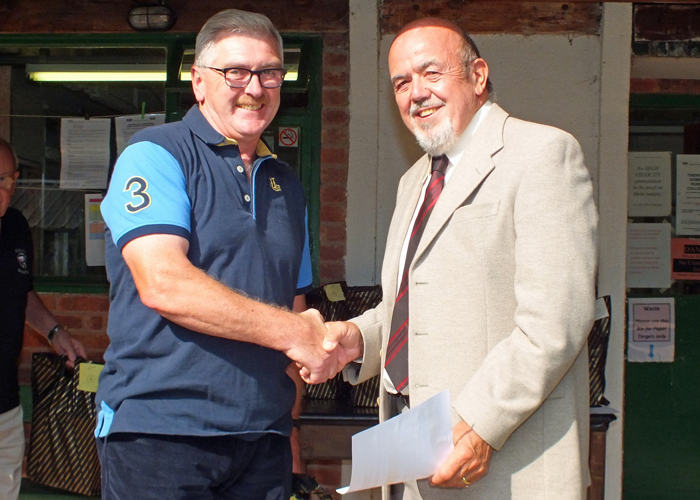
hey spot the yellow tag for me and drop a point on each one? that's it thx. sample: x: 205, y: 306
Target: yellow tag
x: 89, y: 374
x: 334, y: 292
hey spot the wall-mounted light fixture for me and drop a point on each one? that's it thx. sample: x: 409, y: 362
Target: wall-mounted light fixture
x: 151, y: 18
x: 100, y: 73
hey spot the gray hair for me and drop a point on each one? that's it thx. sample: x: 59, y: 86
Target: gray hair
x: 6, y: 145
x: 468, y: 52
x: 232, y: 22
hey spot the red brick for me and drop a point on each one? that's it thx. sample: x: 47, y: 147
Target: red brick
x: 334, y: 97
x: 335, y: 40
x: 24, y: 374
x: 95, y: 322
x: 50, y: 300
x: 70, y: 321
x: 96, y: 355
x: 333, y: 194
x: 33, y: 339
x: 334, y: 155
x: 84, y: 303
x: 332, y: 233
x: 338, y: 175
x: 335, y: 117
x: 335, y: 58
x: 332, y: 212
x: 91, y: 341
x: 332, y: 271
x: 332, y: 252
x: 335, y: 79
x: 336, y: 136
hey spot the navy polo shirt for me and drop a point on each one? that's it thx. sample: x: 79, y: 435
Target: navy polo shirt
x: 16, y: 261
x: 187, y: 179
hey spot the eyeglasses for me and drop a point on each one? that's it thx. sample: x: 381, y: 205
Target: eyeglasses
x: 6, y: 182
x: 239, y: 78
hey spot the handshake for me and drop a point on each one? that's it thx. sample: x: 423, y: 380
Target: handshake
x: 322, y: 349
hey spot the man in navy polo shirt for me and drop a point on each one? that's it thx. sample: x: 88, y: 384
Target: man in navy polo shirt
x: 207, y: 251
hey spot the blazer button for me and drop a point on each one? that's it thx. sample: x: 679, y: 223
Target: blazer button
x: 377, y: 401
x: 380, y: 353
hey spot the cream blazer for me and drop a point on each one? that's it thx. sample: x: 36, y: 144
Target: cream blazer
x: 501, y: 301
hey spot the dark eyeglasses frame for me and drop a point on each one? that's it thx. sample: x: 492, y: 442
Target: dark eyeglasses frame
x: 253, y: 73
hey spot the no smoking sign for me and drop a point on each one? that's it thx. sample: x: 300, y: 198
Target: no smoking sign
x: 289, y: 137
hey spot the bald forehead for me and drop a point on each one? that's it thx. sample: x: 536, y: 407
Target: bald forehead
x: 7, y: 158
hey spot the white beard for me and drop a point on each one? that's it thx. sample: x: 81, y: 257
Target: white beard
x: 434, y: 139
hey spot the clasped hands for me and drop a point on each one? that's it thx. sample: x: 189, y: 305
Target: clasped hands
x: 326, y: 347
x: 332, y: 345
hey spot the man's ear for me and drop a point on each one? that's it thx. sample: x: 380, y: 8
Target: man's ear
x: 480, y: 75
x: 198, y: 85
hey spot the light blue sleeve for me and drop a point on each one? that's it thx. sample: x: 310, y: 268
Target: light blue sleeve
x: 306, y: 276
x: 147, y: 195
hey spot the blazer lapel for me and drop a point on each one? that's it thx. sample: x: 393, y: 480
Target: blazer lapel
x: 411, y: 186
x: 476, y: 164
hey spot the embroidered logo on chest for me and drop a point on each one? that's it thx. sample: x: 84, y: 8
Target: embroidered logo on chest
x: 21, y: 260
x: 274, y: 185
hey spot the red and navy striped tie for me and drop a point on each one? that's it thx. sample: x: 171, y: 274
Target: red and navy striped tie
x: 397, y: 350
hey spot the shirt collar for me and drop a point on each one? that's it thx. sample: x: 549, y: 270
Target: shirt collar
x: 202, y: 128
x: 457, y: 151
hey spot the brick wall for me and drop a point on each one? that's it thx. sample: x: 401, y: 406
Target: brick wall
x: 84, y: 315
x: 334, y: 157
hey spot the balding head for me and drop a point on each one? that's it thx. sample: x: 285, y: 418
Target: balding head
x: 468, y: 51
x: 8, y: 159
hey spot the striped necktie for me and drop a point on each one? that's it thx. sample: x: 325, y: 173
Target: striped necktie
x: 397, y: 350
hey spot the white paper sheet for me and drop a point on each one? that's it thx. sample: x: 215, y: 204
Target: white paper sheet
x: 651, y: 330
x: 409, y: 446
x: 126, y: 126
x: 649, y: 255
x: 84, y: 153
x: 688, y: 195
x: 649, y: 184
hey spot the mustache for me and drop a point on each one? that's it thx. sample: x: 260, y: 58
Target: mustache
x: 247, y: 100
x: 426, y: 103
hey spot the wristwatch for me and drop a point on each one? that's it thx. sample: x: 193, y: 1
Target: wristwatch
x: 52, y: 333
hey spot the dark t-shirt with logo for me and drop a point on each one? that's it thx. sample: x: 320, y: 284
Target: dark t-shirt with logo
x: 16, y: 258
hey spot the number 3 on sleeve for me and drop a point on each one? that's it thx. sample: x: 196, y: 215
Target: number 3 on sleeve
x: 137, y: 186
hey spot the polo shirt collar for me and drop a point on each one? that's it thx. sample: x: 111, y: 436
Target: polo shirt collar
x: 200, y: 127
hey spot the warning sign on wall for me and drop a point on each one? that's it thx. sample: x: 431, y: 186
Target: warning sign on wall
x: 289, y: 137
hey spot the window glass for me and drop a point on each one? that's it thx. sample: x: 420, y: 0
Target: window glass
x: 48, y: 84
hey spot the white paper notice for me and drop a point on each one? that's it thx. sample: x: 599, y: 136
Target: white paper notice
x: 84, y: 153
x: 94, y: 231
x: 688, y: 195
x: 127, y: 126
x: 649, y: 184
x: 649, y: 255
x: 651, y: 330
x: 407, y: 447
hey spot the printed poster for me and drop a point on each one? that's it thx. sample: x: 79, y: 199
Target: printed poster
x: 685, y: 254
x: 651, y: 330
x: 649, y: 255
x: 84, y: 153
x: 126, y: 126
x: 688, y: 195
x: 649, y: 184
x: 94, y: 231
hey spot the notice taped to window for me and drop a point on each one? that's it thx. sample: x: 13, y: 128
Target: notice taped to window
x: 685, y: 255
x: 649, y: 184
x: 651, y: 330
x: 688, y: 195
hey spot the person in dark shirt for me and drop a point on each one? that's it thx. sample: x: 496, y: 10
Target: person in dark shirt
x: 19, y: 303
